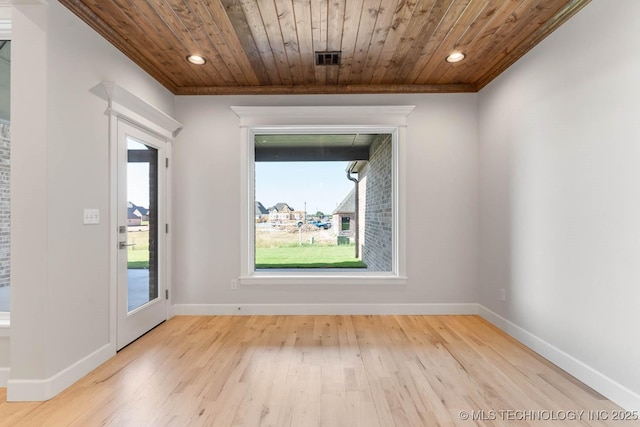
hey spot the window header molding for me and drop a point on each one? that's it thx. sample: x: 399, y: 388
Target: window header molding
x: 133, y: 109
x: 381, y: 115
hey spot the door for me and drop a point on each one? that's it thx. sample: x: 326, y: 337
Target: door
x: 141, y: 233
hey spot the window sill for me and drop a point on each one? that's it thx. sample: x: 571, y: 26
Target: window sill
x: 327, y: 278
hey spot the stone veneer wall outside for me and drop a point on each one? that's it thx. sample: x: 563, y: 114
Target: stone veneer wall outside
x: 377, y: 183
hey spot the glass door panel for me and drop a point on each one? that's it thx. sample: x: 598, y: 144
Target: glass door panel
x: 141, y: 246
x: 142, y: 224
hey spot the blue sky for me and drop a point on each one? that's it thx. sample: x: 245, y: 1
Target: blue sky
x: 137, y: 178
x: 138, y: 184
x: 322, y: 185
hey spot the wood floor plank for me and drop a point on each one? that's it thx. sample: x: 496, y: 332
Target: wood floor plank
x: 245, y: 371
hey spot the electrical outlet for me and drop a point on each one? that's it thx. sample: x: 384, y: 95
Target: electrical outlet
x: 503, y: 295
x: 234, y: 284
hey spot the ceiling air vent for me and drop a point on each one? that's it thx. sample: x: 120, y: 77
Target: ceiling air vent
x: 328, y: 58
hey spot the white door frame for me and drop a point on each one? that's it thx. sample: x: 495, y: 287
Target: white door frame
x: 131, y: 325
x: 123, y: 105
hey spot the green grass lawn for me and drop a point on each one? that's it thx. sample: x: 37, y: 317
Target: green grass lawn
x: 308, y: 256
x: 138, y: 255
x: 287, y: 255
x: 137, y: 259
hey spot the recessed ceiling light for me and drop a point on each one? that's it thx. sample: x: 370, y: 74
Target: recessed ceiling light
x: 456, y: 57
x: 196, y: 59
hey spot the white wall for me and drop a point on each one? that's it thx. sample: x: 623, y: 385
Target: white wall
x: 60, y: 165
x: 560, y: 186
x: 441, y: 211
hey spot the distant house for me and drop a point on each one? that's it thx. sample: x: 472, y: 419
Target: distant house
x: 136, y: 214
x: 344, y: 216
x: 281, y: 212
x: 261, y: 213
x: 299, y: 215
x: 133, y: 218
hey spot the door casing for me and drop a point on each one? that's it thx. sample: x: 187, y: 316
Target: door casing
x: 129, y: 326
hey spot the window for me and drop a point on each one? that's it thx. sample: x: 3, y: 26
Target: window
x: 339, y: 176
x: 5, y: 150
x: 371, y: 155
x: 301, y: 196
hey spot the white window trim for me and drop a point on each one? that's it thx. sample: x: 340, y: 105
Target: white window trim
x: 332, y: 119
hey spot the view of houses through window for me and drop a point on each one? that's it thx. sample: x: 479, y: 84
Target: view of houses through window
x: 323, y: 201
x: 5, y: 151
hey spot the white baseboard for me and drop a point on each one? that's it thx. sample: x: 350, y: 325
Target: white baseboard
x: 322, y: 309
x: 26, y: 390
x: 4, y: 377
x: 604, y: 385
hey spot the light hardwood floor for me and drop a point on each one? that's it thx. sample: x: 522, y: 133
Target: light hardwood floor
x: 318, y: 371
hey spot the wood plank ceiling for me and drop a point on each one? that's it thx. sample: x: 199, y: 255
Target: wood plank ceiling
x: 267, y: 46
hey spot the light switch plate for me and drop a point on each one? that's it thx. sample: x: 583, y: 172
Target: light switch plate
x: 91, y: 216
